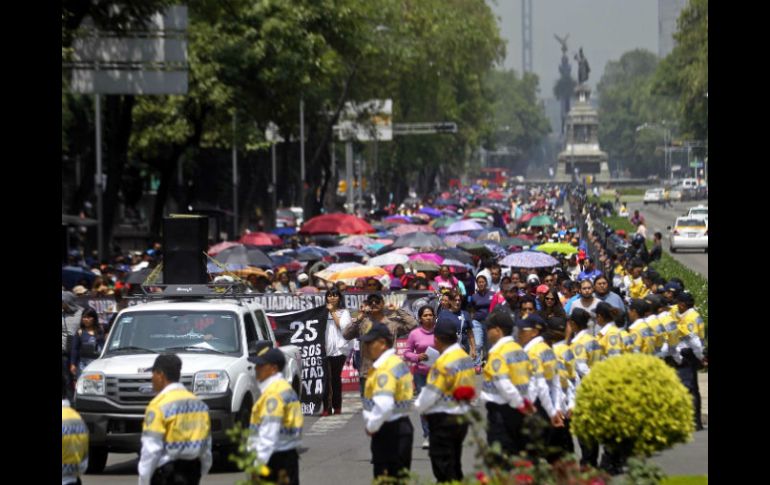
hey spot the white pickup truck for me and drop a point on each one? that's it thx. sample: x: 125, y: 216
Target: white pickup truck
x: 213, y: 336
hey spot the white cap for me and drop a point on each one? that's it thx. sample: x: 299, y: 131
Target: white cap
x: 533, y: 278
x: 302, y: 278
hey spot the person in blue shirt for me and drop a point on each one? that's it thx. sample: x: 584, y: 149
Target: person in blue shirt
x: 602, y: 292
x: 479, y: 303
x: 465, y: 330
x: 589, y: 271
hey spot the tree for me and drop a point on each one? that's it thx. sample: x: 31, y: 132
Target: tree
x: 627, y: 101
x: 683, y: 74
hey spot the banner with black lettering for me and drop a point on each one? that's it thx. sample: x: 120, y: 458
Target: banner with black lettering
x: 105, y: 306
x: 308, y: 332
x: 288, y: 302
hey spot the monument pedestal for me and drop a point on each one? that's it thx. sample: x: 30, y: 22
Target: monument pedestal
x: 582, y: 156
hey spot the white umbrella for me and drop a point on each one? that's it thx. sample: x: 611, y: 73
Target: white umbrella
x: 388, y: 259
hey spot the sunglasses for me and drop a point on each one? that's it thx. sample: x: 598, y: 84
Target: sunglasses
x: 549, y: 298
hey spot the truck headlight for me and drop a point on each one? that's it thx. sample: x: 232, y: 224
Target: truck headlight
x: 91, y: 383
x: 211, y: 382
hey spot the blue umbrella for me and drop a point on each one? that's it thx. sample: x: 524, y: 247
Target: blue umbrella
x: 528, y: 259
x: 314, y: 250
x: 431, y: 211
x: 70, y: 275
x: 285, y: 231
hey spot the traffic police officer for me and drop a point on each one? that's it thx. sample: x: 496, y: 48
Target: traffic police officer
x: 640, y: 339
x: 74, y: 441
x: 453, y: 369
x: 587, y: 352
x: 176, y: 439
x: 688, y: 352
x: 506, y: 382
x: 657, y: 324
x: 275, y: 428
x: 556, y: 335
x: 609, y: 335
x: 545, y: 385
x: 387, y: 399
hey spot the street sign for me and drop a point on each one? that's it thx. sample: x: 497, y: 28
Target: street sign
x: 696, y: 164
x: 424, y: 128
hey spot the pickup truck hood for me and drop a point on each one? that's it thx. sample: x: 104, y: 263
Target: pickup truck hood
x: 133, y: 364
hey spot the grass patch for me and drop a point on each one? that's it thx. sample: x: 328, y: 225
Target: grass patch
x: 631, y: 191
x: 686, y: 480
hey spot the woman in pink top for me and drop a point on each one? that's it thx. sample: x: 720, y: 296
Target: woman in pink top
x: 416, y: 346
x: 445, y: 279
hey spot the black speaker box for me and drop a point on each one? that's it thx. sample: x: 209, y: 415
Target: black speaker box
x: 185, y: 240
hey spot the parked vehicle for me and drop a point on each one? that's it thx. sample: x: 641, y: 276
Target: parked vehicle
x: 689, y: 233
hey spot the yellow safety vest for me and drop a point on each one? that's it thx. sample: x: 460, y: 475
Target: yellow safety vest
x: 278, y: 403
x: 565, y: 361
x: 641, y: 338
x: 181, y: 420
x: 612, y: 342
x: 509, y: 360
x: 74, y: 443
x: 451, y: 370
x: 543, y: 360
x: 586, y: 348
x: 691, y: 322
x: 393, y: 378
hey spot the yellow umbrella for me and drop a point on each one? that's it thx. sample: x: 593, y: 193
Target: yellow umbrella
x: 358, y: 272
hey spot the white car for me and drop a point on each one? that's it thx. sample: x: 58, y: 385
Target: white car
x: 654, y: 196
x: 698, y: 212
x: 214, y: 338
x: 689, y: 233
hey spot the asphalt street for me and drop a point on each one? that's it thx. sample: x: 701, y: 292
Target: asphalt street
x: 658, y: 219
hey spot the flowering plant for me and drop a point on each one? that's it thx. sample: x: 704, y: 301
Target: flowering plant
x: 464, y: 393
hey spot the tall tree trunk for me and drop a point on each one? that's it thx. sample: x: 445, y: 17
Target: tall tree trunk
x: 119, y: 116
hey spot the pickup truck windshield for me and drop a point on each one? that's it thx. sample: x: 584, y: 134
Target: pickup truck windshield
x: 157, y: 331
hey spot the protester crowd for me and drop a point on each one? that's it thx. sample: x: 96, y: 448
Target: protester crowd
x: 531, y: 290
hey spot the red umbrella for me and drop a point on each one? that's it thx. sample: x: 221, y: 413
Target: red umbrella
x: 527, y: 217
x: 217, y: 248
x: 261, y: 239
x: 336, y: 224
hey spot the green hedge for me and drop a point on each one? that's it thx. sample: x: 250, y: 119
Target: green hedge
x: 686, y: 480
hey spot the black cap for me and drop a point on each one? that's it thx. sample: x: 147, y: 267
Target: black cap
x: 655, y: 301
x: 378, y: 330
x: 447, y: 324
x: 557, y: 324
x: 580, y: 316
x: 673, y: 286
x: 686, y: 298
x: 533, y: 320
x: 639, y: 306
x: 269, y: 356
x: 168, y: 364
x: 502, y: 320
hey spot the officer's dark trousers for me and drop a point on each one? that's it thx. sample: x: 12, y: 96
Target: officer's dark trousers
x: 284, y: 467
x: 333, y: 382
x: 688, y: 374
x: 392, y: 448
x: 67, y: 375
x: 504, y: 425
x: 178, y: 472
x: 546, y: 441
x: 447, y: 433
x: 561, y: 438
x: 589, y: 453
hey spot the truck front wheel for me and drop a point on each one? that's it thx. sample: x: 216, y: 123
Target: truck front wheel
x: 97, y: 460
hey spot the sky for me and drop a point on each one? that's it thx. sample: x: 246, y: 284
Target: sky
x: 604, y: 28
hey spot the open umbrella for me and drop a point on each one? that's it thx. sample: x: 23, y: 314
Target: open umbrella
x: 358, y: 241
x: 216, y: 248
x: 260, y: 239
x: 326, y: 240
x: 419, y: 240
x: 478, y: 215
x: 562, y: 248
x: 540, y: 221
x: 314, y: 250
x: 70, y: 275
x: 526, y: 218
x: 456, y: 254
x: 528, y: 259
x: 478, y: 249
x: 455, y: 239
x: 420, y: 265
x: 337, y: 250
x: 431, y: 212
x: 241, y: 255
x: 284, y: 231
x: 410, y: 228
x: 398, y: 220
x: 333, y: 269
x: 464, y: 225
x: 357, y: 272
x: 443, y: 222
x: 336, y: 224
x: 214, y: 268
x: 515, y: 241
x: 432, y: 257
x: 388, y: 259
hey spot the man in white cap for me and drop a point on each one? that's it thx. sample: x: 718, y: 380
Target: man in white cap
x: 304, y: 284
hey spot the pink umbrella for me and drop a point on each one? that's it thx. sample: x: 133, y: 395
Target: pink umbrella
x: 261, y: 239
x: 218, y: 248
x: 358, y: 241
x: 404, y: 251
x: 431, y: 257
x: 408, y: 228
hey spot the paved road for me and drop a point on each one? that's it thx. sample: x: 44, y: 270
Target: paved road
x: 658, y: 219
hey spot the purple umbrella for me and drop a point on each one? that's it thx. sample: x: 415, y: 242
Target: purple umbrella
x: 455, y: 239
x: 431, y: 212
x: 528, y: 259
x: 465, y: 225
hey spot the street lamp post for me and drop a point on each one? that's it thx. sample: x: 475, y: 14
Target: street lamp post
x: 666, y: 144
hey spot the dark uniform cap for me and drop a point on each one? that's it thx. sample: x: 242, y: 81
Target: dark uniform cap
x: 640, y: 306
x: 446, y: 325
x: 557, y: 324
x: 378, y: 330
x: 580, y: 316
x: 655, y: 301
x: 500, y: 319
x: 269, y: 356
x: 672, y: 286
x: 686, y: 298
x: 532, y: 321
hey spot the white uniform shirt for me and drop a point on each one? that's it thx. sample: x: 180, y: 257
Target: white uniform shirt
x: 430, y: 399
x: 540, y: 389
x: 269, y: 439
